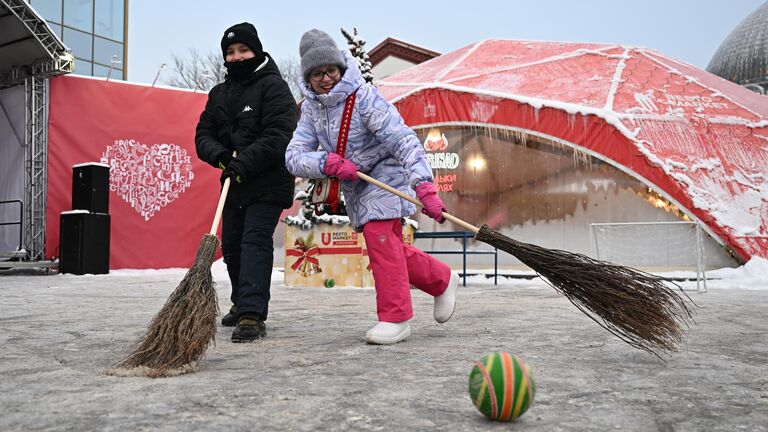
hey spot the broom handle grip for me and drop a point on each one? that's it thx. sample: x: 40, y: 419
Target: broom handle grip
x: 466, y: 225
x: 220, y: 207
x: 222, y: 200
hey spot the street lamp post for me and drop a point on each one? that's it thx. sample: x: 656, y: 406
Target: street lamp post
x: 112, y: 65
x: 160, y: 69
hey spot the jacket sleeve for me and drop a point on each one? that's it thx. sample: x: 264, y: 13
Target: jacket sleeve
x: 208, y: 147
x: 386, y: 123
x: 279, y: 121
x: 302, y: 158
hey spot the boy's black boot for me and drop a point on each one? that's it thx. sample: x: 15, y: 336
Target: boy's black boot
x: 249, y: 329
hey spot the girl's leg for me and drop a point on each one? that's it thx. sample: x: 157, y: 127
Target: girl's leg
x: 435, y: 278
x: 384, y: 240
x: 425, y: 272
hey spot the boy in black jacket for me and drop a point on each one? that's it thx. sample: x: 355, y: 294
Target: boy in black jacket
x: 254, y: 114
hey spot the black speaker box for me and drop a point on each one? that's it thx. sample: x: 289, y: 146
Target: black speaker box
x: 90, y: 187
x: 84, y: 243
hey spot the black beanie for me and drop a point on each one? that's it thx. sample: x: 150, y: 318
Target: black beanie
x: 244, y: 33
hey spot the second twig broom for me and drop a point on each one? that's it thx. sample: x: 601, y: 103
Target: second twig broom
x: 637, y: 307
x: 180, y: 333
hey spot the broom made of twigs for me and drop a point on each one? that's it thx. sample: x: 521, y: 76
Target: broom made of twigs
x: 180, y: 333
x: 637, y: 307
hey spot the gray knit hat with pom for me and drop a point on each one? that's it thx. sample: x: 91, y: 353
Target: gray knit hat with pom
x: 317, y: 49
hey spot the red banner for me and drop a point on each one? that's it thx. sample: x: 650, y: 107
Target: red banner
x: 162, y: 197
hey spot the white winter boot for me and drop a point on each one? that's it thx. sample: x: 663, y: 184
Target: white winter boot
x: 386, y: 333
x: 445, y: 303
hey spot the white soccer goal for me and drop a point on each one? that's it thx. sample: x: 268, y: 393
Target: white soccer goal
x: 651, y: 246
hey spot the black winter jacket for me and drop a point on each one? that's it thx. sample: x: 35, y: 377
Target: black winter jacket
x: 255, y: 116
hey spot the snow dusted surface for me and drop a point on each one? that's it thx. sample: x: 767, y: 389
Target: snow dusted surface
x: 314, y: 370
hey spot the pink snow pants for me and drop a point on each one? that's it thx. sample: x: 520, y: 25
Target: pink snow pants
x: 396, y: 266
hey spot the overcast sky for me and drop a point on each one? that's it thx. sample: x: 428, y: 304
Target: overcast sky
x: 689, y: 30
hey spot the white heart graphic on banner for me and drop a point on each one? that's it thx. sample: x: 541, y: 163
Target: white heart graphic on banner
x: 148, y: 178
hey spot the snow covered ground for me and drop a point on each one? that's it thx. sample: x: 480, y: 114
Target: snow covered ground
x: 751, y: 276
x: 59, y: 333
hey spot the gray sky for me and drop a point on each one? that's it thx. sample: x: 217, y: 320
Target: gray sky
x: 688, y: 30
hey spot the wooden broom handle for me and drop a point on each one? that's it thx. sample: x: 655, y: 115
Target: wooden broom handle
x: 222, y: 200
x: 466, y: 225
x: 220, y: 207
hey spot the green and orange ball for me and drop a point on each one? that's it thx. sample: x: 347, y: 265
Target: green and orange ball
x: 501, y: 386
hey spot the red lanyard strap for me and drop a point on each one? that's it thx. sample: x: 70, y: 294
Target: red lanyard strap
x: 346, y: 119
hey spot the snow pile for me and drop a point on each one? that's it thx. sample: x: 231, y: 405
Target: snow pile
x: 751, y: 276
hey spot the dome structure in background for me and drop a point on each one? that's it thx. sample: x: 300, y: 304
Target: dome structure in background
x: 743, y: 57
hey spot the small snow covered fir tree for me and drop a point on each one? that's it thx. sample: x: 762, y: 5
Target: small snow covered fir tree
x: 356, y: 44
x: 308, y: 217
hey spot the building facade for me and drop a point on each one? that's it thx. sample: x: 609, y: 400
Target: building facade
x: 95, y: 30
x: 393, y: 55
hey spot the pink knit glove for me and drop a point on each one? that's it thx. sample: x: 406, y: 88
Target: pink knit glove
x: 342, y: 169
x: 433, y: 205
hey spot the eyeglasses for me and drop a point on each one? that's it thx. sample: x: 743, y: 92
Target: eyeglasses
x: 332, y: 72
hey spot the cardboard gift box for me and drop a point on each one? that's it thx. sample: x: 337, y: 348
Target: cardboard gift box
x: 325, y: 255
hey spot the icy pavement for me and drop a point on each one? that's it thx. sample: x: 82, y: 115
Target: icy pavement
x: 314, y: 371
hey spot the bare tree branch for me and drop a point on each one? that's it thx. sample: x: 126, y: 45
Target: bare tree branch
x: 202, y: 72
x: 197, y: 71
x: 290, y: 68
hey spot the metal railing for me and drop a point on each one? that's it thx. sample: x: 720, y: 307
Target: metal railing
x: 463, y: 235
x: 19, y: 222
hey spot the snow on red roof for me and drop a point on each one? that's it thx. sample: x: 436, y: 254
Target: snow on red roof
x: 698, y: 139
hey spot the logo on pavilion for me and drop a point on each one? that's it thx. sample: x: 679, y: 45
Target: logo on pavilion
x: 437, y: 143
x: 435, y: 146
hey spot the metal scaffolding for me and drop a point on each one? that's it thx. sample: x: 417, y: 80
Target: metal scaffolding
x: 32, y: 55
x: 35, y: 167
x: 55, y: 59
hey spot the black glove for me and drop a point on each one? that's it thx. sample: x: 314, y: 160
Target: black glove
x: 223, y: 160
x: 235, y: 171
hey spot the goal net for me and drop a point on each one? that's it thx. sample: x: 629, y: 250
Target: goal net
x: 651, y: 246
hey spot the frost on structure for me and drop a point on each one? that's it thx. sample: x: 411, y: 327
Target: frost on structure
x: 697, y: 139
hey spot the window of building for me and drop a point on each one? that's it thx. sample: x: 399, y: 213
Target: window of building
x: 104, y: 50
x: 80, y: 43
x: 109, y: 19
x: 56, y: 29
x: 93, y: 29
x: 83, y: 67
x: 48, y: 9
x: 79, y: 14
x: 103, y: 71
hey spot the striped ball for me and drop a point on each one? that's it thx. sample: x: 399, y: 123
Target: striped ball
x: 501, y: 386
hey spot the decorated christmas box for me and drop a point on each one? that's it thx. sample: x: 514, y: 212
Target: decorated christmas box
x: 323, y: 250
x: 323, y: 255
